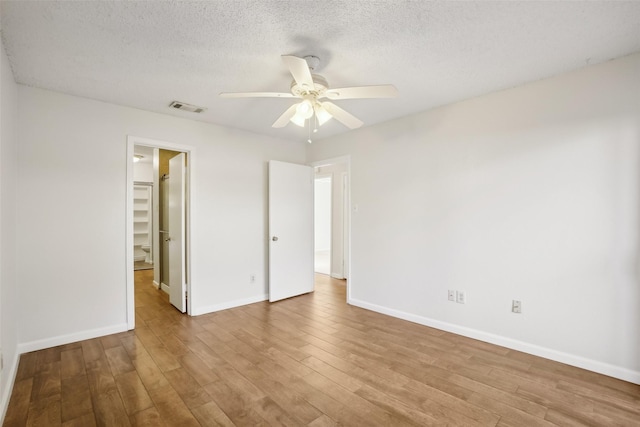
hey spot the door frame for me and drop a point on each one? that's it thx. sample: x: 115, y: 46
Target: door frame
x: 347, y: 208
x: 190, y: 152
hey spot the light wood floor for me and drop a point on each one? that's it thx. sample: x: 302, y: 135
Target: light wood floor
x: 311, y: 360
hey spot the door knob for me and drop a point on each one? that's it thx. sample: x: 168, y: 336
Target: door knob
x: 167, y: 239
x: 274, y: 238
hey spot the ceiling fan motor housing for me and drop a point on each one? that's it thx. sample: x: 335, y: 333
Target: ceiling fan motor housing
x: 320, y: 87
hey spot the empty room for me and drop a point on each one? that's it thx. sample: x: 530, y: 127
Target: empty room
x: 319, y: 213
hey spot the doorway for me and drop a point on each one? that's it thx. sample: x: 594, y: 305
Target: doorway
x: 169, y: 170
x: 332, y: 218
x: 322, y: 222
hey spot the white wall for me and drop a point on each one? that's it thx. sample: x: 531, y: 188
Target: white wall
x: 143, y: 171
x: 71, y: 219
x: 8, y: 192
x: 322, y: 214
x: 530, y: 194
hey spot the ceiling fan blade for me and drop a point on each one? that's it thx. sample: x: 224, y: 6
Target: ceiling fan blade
x: 379, y: 91
x: 256, y: 95
x: 347, y: 119
x: 285, y: 117
x: 299, y: 70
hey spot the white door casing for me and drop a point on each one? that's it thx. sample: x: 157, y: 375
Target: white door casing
x: 177, y: 278
x: 290, y: 230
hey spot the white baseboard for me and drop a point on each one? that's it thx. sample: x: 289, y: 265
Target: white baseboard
x: 139, y: 258
x: 337, y: 276
x: 8, y: 388
x: 155, y: 285
x: 69, y: 338
x: 231, y: 304
x: 165, y: 287
x: 558, y: 356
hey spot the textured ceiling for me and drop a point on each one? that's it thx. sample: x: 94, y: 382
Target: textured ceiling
x: 146, y: 54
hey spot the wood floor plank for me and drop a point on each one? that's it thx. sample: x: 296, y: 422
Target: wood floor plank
x: 173, y: 345
x: 238, y: 408
x: 133, y: 392
x: 44, y: 412
x: 147, y: 337
x: 109, y: 410
x: 188, y: 388
x: 569, y: 417
x: 261, y: 385
x: 274, y: 414
x: 134, y: 347
x: 311, y: 360
x: 46, y: 357
x: 439, y: 401
x: 506, y: 411
x: 110, y: 341
x: 334, y: 374
x: 362, y: 407
x: 27, y: 366
x: 198, y: 369
x: 46, y: 382
x: 119, y: 360
x: 92, y: 350
x: 210, y: 414
x: 612, y: 398
x: 616, y: 415
x: 19, y: 404
x: 87, y: 420
x: 327, y: 404
x: 164, y: 358
x: 406, y: 410
x: 100, y: 378
x: 71, y: 363
x: 76, y: 398
x: 322, y: 421
x: 150, y: 374
x: 171, y: 407
x: 148, y: 418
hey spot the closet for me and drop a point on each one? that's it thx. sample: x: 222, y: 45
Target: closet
x: 142, y: 230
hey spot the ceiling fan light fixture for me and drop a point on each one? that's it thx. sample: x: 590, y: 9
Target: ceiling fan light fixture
x: 305, y: 109
x: 321, y: 114
x: 298, y: 120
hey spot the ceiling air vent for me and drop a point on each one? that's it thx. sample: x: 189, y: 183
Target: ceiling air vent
x: 186, y: 107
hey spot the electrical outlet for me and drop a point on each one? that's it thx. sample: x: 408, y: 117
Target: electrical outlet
x: 461, y: 297
x: 516, y: 306
x: 452, y: 295
x: 252, y: 278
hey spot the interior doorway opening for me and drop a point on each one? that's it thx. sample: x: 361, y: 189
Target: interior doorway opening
x: 158, y: 220
x: 332, y: 218
x: 322, y: 223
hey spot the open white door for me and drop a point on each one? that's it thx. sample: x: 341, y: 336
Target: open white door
x: 177, y: 281
x: 290, y: 230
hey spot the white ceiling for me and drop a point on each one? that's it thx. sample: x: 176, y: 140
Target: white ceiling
x: 146, y: 54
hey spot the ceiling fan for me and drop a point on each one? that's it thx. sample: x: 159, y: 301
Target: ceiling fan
x: 312, y: 88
